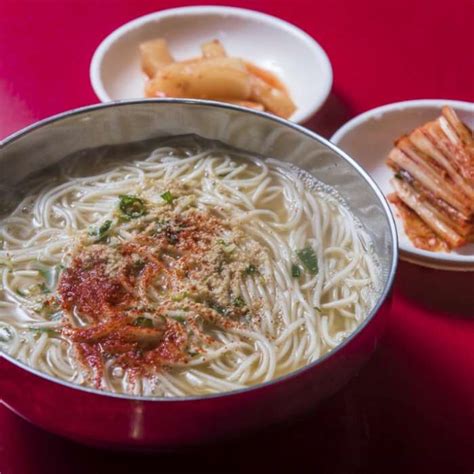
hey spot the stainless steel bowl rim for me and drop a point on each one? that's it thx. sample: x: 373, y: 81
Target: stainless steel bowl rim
x: 382, y: 297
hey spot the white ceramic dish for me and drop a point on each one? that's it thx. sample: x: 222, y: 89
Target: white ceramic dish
x: 265, y: 40
x: 369, y: 137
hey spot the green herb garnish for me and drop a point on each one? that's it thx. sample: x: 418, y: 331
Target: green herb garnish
x: 239, y: 302
x: 179, y: 296
x: 104, y: 228
x: 132, y: 206
x: 102, y: 231
x: 251, y: 270
x: 168, y: 197
x: 295, y: 271
x: 229, y: 249
x: 398, y: 175
x: 218, y: 308
x: 50, y: 332
x: 308, y: 259
x: 143, y: 322
x: 228, y: 246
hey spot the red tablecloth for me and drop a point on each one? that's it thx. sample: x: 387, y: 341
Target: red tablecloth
x: 412, y: 408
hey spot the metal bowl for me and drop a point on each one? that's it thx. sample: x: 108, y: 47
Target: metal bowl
x: 105, y: 419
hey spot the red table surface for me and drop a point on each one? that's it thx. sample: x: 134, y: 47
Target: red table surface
x: 411, y: 409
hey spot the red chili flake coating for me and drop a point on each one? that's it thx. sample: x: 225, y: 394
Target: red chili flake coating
x: 106, y: 287
x: 87, y: 287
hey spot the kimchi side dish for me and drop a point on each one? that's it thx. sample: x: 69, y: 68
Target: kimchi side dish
x: 434, y: 183
x: 213, y: 76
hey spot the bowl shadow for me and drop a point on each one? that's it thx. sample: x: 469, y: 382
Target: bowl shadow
x: 330, y: 117
x: 437, y: 290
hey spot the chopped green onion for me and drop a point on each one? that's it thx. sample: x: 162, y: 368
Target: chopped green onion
x: 180, y: 319
x: 143, y: 322
x: 251, y: 270
x: 295, y: 271
x: 229, y: 249
x: 132, y: 206
x: 218, y: 308
x: 398, y: 175
x: 308, y: 259
x: 239, y: 302
x: 101, y: 232
x: 104, y: 228
x: 179, y: 296
x: 50, y: 332
x: 168, y: 197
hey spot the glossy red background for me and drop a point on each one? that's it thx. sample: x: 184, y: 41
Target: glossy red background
x: 412, y: 408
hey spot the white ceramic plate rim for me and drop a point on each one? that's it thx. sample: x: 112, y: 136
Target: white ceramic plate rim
x: 299, y: 116
x: 410, y: 253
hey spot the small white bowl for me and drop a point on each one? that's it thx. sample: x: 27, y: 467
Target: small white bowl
x: 369, y: 137
x: 269, y: 42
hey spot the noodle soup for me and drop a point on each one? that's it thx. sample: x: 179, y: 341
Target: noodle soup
x: 192, y: 270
